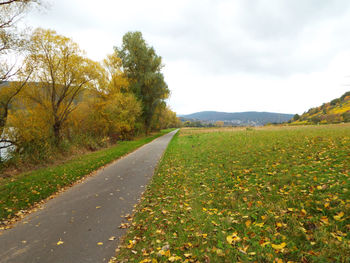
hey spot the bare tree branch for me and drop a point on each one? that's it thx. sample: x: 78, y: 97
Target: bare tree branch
x: 15, y: 1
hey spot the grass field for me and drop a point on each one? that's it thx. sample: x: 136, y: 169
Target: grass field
x: 255, y: 195
x: 24, y: 190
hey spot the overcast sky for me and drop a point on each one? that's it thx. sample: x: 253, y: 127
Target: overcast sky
x: 224, y: 55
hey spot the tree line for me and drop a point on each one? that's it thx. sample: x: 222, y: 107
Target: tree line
x: 56, y: 96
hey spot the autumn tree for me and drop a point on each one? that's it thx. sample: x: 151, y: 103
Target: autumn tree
x: 165, y: 118
x: 12, y: 44
x: 61, y: 74
x: 109, y: 108
x: 11, y: 39
x: 143, y: 67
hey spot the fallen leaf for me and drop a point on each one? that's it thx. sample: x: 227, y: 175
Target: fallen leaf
x: 339, y: 216
x: 278, y: 247
x: 233, y: 238
x: 174, y: 258
x: 324, y: 219
x: 264, y: 244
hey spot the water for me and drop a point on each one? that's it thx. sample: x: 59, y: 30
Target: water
x: 5, y: 152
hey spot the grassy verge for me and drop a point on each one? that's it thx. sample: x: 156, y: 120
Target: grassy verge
x: 274, y: 195
x: 22, y: 191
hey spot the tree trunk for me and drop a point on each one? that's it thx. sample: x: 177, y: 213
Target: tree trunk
x: 3, y: 119
x: 57, y: 132
x: 147, y: 126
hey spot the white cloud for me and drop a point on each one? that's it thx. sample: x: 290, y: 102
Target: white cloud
x: 283, y: 56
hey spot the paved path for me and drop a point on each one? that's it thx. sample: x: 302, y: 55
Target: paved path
x: 84, y: 215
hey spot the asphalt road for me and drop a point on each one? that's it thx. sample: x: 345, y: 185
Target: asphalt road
x: 76, y: 225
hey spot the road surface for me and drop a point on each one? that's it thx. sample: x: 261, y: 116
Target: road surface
x: 76, y: 226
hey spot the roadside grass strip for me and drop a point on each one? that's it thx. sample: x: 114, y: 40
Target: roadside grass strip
x: 23, y: 191
x: 274, y: 195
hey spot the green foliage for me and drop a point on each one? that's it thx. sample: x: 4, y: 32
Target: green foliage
x: 268, y: 195
x: 143, y: 67
x: 334, y: 102
x: 296, y: 117
x: 194, y: 124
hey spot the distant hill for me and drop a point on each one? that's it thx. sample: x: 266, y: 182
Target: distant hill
x: 238, y: 118
x: 335, y: 111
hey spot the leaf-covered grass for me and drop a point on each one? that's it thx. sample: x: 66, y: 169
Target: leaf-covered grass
x: 22, y: 191
x: 263, y: 195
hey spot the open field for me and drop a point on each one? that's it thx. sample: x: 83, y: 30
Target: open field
x: 24, y: 190
x: 257, y: 195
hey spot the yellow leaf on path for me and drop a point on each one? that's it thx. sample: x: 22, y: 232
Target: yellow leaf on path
x: 100, y: 243
x: 339, y: 216
x: 60, y: 242
x: 278, y: 247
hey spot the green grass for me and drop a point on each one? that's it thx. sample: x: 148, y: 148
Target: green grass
x: 24, y: 190
x: 266, y: 195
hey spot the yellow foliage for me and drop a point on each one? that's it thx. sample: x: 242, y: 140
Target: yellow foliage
x: 29, y: 126
x: 164, y: 118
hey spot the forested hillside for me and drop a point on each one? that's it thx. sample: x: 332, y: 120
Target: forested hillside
x: 335, y: 111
